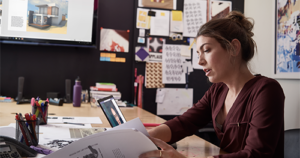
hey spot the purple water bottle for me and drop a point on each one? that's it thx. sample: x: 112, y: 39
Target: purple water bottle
x: 77, y: 93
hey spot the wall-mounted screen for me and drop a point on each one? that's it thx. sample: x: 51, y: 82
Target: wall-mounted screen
x: 48, y: 22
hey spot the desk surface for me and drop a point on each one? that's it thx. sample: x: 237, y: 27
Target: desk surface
x: 192, y: 147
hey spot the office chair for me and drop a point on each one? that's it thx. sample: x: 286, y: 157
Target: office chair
x: 208, y: 133
x: 291, y: 143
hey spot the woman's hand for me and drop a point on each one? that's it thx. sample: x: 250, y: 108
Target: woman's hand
x: 166, y: 151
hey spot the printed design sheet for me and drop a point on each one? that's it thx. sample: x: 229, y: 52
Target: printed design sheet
x: 142, y: 19
x: 194, y: 13
x: 141, y: 54
x: 160, y: 23
x: 172, y: 65
x: 153, y: 75
x: 114, y: 40
x: 175, y: 101
x: 155, y: 48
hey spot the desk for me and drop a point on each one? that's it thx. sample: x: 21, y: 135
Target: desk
x: 192, y: 146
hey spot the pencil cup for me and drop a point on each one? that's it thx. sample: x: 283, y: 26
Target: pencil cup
x: 27, y: 132
x: 41, y: 113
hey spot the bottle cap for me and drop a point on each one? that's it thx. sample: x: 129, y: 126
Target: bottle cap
x: 77, y: 79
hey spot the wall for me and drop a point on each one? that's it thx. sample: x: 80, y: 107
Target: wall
x: 263, y: 13
x: 45, y: 68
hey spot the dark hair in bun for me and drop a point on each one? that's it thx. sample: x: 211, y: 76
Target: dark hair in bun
x: 234, y: 26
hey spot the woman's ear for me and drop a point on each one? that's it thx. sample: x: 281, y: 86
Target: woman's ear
x: 236, y: 47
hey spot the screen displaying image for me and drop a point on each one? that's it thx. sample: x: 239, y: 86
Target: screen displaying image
x: 112, y: 112
x: 58, y: 20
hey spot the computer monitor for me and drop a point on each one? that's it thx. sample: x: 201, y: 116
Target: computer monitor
x: 49, y: 22
x: 112, y: 111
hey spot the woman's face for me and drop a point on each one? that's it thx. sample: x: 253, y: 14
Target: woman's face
x: 214, y: 59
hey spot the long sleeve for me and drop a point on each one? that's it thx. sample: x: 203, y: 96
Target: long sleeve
x: 266, y: 128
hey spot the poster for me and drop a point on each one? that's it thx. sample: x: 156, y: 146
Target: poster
x: 220, y: 9
x: 114, y: 40
x: 287, y: 63
x: 194, y: 13
x: 173, y: 72
x: 175, y: 101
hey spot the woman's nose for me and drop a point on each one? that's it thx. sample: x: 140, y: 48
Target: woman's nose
x: 201, y: 60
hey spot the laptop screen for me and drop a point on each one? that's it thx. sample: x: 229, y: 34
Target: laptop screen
x: 112, y: 111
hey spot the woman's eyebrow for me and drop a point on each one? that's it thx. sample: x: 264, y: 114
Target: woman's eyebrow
x: 201, y: 47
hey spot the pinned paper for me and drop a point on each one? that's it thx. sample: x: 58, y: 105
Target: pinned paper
x: 141, y: 54
x: 176, y: 101
x: 176, y: 21
x: 114, y: 40
x: 220, y: 9
x: 141, y: 40
x: 142, y: 19
x: 160, y: 23
x: 160, y: 94
x: 153, y: 75
x: 142, y: 32
x: 194, y: 16
x: 155, y: 48
x: 164, y: 4
x: 185, y: 51
x: 172, y: 65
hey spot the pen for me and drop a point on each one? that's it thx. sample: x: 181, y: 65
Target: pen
x: 68, y: 117
x: 22, y: 130
x: 81, y: 124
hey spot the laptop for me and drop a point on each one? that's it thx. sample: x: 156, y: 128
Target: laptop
x: 112, y: 111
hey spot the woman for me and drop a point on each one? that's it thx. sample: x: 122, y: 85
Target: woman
x: 246, y: 110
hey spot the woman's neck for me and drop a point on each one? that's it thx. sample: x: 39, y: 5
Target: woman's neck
x: 238, y: 79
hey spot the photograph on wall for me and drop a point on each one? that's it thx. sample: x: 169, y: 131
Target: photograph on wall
x: 114, y: 40
x: 220, y: 9
x: 163, y: 4
x: 47, y: 16
x: 1, y: 3
x: 287, y: 57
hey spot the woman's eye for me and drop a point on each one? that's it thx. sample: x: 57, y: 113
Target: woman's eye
x: 206, y: 50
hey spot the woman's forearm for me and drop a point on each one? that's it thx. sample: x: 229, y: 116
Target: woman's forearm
x: 162, y: 132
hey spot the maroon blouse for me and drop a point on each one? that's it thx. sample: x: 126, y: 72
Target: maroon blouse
x: 254, y: 126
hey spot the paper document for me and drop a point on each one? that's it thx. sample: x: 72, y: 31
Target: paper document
x: 62, y: 119
x: 135, y: 123
x: 160, y: 23
x: 194, y: 13
x: 142, y: 18
x: 8, y: 131
x: 113, y: 144
x: 176, y: 101
x: 172, y: 65
x: 176, y: 21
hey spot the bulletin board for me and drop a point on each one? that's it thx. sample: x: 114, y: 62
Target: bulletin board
x: 196, y: 79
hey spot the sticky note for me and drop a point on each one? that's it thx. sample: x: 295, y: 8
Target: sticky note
x: 112, y: 55
x: 162, y: 14
x: 177, y: 15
